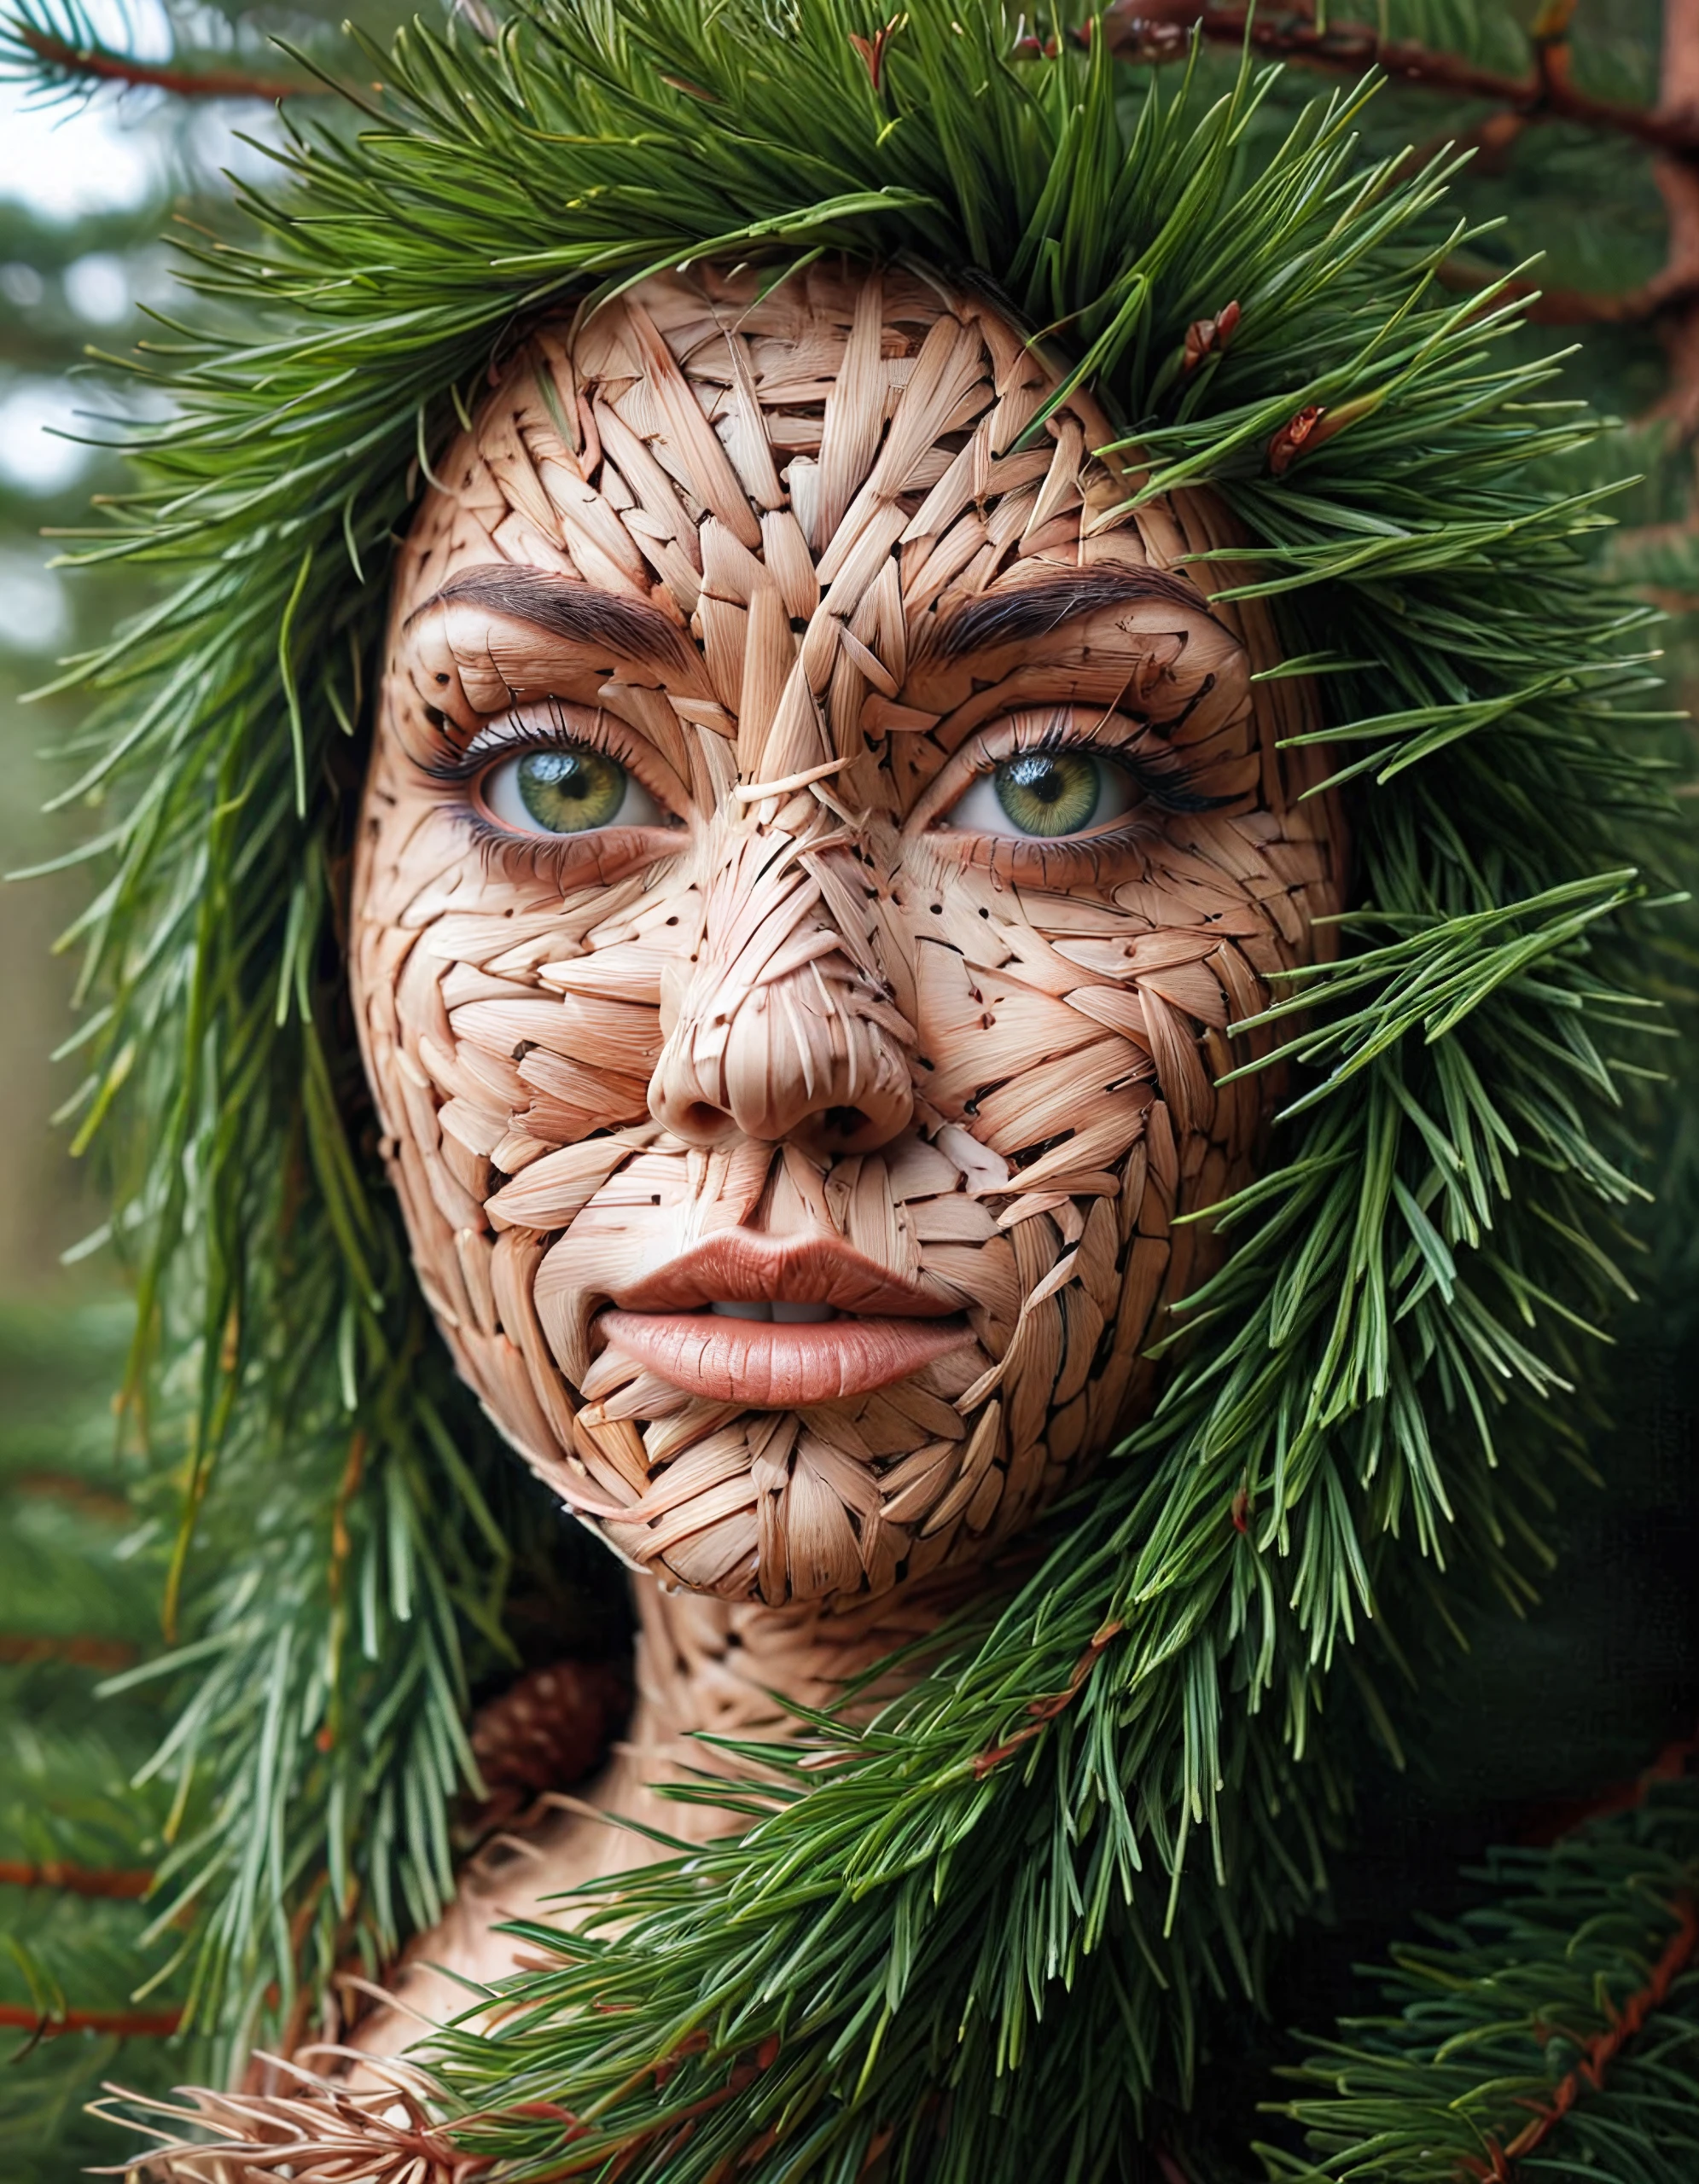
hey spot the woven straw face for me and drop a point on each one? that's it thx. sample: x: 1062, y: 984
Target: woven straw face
x: 718, y: 933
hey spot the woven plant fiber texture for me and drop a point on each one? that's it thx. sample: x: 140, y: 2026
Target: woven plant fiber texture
x: 797, y: 349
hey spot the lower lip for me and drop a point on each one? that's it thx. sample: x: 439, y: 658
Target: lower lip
x: 771, y: 1366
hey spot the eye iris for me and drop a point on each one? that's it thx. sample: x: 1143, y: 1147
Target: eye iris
x: 1050, y: 793
x: 568, y: 792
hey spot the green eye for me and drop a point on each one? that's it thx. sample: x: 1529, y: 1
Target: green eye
x: 566, y: 789
x: 1050, y: 793
x: 1045, y: 796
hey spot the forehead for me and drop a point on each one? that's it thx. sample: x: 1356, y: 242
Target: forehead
x: 714, y: 411
x: 819, y: 519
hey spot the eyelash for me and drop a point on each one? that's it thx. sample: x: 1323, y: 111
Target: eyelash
x: 1168, y: 790
x: 557, y: 860
x: 1170, y: 786
x: 507, y: 739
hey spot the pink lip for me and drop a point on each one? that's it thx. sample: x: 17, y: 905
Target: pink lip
x: 738, y: 1266
x: 772, y: 1365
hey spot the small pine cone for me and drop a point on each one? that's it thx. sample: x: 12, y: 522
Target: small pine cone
x: 548, y: 1730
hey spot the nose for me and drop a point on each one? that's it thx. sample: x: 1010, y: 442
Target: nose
x: 785, y: 1034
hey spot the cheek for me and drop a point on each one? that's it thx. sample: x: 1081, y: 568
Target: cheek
x: 1080, y: 1042
x: 519, y: 1056
x: 534, y: 1015
x: 500, y: 1023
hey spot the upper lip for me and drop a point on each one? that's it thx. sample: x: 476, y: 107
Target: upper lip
x: 738, y: 1267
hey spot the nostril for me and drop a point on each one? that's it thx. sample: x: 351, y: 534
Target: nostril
x: 843, y: 1122
x: 703, y: 1120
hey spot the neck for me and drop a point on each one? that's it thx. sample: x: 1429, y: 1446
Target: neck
x: 730, y: 1669
x: 735, y: 1668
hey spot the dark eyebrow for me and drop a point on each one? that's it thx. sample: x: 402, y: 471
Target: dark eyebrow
x: 1034, y: 610
x: 576, y: 612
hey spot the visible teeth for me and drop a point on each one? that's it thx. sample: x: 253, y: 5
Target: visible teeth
x: 786, y: 1315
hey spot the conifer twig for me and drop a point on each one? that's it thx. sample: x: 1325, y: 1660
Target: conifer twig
x: 1677, y: 182
x: 99, y: 65
x: 104, y: 1653
x: 1548, y: 2029
x: 1043, y: 1712
x: 1673, y: 290
x: 114, y: 1882
x: 82, y: 1493
x: 124, y: 2024
x: 1157, y: 30
x: 1601, y: 2050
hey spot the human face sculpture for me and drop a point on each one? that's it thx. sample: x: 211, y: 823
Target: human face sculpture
x: 814, y: 846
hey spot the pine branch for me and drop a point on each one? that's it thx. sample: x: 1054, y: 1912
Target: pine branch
x: 41, y: 52
x: 123, y: 2024
x: 1371, y: 1397
x: 77, y: 1836
x: 1669, y: 293
x: 1159, y: 30
x: 1628, y: 2020
x: 1677, y: 181
x: 1042, y: 1711
x: 77, y: 1880
x: 316, y: 2132
x: 18, y: 1649
x: 1554, y: 2031
x: 82, y: 1493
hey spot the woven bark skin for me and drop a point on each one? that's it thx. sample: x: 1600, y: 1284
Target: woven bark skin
x: 783, y: 558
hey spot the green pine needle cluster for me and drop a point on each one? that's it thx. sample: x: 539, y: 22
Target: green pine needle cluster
x: 977, y: 1939
x: 1554, y: 2032
x: 78, y: 1600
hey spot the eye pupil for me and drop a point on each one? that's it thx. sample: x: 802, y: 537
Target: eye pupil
x: 1040, y: 777
x: 567, y: 792
x: 1050, y: 793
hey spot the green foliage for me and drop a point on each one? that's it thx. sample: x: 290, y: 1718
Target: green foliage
x: 64, y: 53
x: 1114, y: 1791
x: 80, y: 1595
x: 1557, y: 2025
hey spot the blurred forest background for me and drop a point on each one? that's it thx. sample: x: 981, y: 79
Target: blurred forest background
x: 93, y: 177
x: 1584, y: 125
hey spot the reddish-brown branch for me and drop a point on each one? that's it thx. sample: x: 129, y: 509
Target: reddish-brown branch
x: 1044, y: 1711
x: 672, y: 2132
x: 1552, y: 1822
x: 98, y: 67
x: 66, y: 1486
x: 127, y: 1882
x: 1602, y: 2051
x: 1158, y: 29
x: 1677, y: 181
x: 104, y: 1653
x: 128, y: 2024
x: 1669, y: 293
